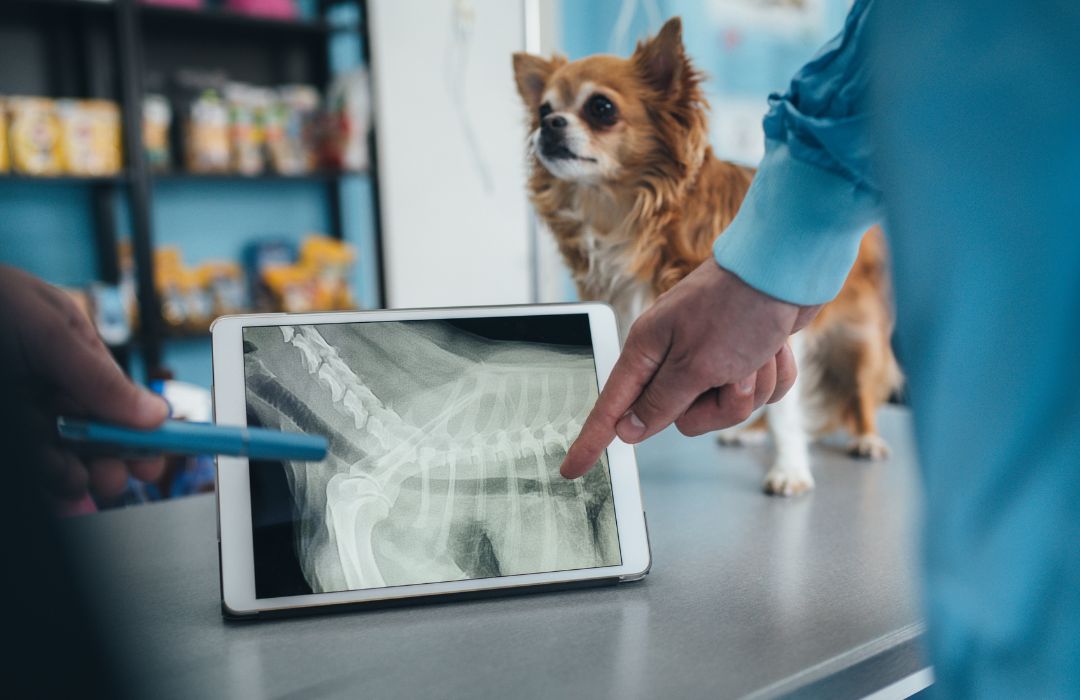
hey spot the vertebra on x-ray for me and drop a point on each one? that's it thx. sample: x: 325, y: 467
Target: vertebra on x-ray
x: 444, y: 452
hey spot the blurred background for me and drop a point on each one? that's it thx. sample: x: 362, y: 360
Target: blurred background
x: 169, y: 161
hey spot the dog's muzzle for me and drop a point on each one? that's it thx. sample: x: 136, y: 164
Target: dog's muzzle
x: 553, y: 138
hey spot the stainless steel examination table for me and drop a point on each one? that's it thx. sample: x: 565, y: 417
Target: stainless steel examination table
x: 748, y: 596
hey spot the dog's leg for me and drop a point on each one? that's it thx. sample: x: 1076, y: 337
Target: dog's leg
x: 866, y: 443
x: 790, y: 473
x: 748, y: 434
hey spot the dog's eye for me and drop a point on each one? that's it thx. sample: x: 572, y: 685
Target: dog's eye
x: 601, y: 109
x: 545, y: 109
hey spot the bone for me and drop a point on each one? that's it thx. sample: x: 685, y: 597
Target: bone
x: 443, y: 436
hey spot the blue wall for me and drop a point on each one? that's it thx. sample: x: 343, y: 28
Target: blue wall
x: 739, y: 60
x: 44, y: 228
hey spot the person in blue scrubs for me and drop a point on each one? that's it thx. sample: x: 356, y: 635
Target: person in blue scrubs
x: 955, y: 125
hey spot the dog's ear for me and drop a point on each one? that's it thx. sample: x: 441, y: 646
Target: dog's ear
x: 532, y: 73
x: 662, y: 61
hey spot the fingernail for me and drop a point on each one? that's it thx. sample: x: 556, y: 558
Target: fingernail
x: 746, y: 386
x: 151, y: 404
x: 630, y: 428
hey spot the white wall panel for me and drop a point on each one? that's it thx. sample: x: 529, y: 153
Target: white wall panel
x: 450, y: 236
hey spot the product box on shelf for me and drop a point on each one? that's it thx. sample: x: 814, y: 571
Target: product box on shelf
x: 207, y: 135
x: 248, y: 106
x: 348, y: 120
x: 89, y: 137
x: 34, y: 136
x: 4, y: 160
x: 292, y: 130
x: 319, y: 280
x: 157, y: 121
x: 191, y: 297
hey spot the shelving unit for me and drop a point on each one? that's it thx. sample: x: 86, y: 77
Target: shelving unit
x: 232, y: 177
x: 222, y: 18
x: 112, y: 50
x: 65, y: 179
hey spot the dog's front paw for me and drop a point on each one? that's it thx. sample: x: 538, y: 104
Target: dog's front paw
x: 741, y: 437
x: 785, y: 481
x: 869, y: 446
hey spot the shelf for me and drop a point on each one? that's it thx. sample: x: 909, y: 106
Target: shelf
x: 213, y: 18
x: 59, y: 5
x: 65, y: 179
x: 186, y: 334
x: 324, y: 176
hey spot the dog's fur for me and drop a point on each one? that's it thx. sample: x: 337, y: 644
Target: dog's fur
x: 623, y: 175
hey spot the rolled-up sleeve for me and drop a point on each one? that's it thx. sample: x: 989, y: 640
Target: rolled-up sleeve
x: 798, y: 230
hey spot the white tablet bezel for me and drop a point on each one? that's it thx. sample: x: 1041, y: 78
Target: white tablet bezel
x: 233, y: 492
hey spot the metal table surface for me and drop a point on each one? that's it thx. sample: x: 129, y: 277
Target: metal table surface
x: 749, y: 596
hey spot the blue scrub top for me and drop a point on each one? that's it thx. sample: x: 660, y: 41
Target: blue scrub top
x: 957, y: 126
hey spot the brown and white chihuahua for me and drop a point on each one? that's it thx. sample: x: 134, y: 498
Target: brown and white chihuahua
x: 623, y: 175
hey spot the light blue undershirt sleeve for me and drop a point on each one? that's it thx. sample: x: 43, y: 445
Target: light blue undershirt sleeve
x: 798, y: 230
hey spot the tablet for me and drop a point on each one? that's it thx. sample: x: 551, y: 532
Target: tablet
x: 446, y: 430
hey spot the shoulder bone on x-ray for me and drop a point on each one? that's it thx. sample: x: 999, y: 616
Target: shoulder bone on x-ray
x: 444, y: 452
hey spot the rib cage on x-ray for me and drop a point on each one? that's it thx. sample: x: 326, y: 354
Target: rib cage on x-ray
x: 444, y: 452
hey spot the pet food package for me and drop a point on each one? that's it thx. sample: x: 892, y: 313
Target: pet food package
x: 206, y: 135
x: 111, y: 313
x: 192, y: 296
x: 197, y: 303
x: 291, y: 288
x: 319, y: 280
x: 329, y: 262
x: 167, y: 281
x: 5, y: 157
x: 34, y: 136
x: 185, y: 303
x: 157, y: 121
x: 125, y: 256
x: 348, y: 120
x: 293, y: 130
x: 89, y: 137
x: 225, y: 284
x: 248, y: 106
x: 203, y: 114
x: 5, y: 162
x: 260, y: 256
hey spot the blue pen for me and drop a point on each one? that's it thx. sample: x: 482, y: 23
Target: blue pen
x: 185, y: 438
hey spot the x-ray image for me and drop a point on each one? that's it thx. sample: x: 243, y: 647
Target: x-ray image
x: 445, y: 444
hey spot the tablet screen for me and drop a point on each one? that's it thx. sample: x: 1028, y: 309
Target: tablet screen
x: 445, y: 443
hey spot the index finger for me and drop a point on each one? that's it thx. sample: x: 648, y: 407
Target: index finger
x: 633, y: 370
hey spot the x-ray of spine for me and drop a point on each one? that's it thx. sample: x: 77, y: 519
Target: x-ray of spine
x: 444, y: 452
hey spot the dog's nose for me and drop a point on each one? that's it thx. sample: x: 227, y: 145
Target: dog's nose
x: 554, y: 122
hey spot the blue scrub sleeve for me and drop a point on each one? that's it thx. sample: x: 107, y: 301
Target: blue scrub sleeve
x: 798, y: 231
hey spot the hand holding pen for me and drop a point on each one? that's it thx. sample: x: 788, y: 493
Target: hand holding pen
x: 62, y: 365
